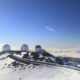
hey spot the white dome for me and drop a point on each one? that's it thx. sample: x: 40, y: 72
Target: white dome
x: 39, y: 49
x: 6, y: 47
x: 24, y: 47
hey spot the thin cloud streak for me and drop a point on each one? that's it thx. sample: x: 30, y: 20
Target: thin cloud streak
x: 49, y: 28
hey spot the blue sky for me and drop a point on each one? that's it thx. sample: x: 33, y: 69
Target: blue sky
x: 51, y: 23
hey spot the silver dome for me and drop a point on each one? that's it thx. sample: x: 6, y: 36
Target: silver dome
x: 6, y: 47
x: 38, y: 48
x: 24, y: 47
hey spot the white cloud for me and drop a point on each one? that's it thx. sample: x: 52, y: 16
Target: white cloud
x: 49, y: 28
x: 72, y: 52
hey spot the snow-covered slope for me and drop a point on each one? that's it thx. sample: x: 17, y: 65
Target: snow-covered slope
x: 30, y: 72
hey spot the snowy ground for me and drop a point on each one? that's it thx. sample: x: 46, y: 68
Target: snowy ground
x: 38, y: 73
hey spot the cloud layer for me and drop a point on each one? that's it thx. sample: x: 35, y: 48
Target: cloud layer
x: 72, y: 52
